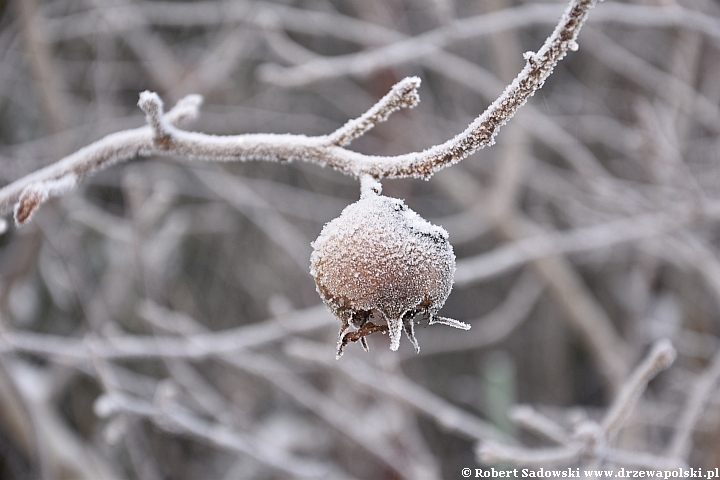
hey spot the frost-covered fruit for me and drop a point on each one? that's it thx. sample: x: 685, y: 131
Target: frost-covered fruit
x: 381, y: 260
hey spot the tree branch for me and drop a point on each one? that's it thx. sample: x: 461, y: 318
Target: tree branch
x: 162, y: 139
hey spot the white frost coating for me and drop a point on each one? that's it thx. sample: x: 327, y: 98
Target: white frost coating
x: 403, y: 95
x: 162, y: 137
x: 152, y: 105
x: 369, y: 186
x: 379, y: 257
x: 185, y: 110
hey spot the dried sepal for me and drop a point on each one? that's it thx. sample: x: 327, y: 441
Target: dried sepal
x: 378, y: 266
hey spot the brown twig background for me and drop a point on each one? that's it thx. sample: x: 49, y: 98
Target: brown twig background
x: 160, y: 321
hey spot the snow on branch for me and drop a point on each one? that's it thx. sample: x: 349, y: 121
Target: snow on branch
x: 403, y: 95
x: 660, y: 357
x: 152, y: 105
x: 162, y: 138
x: 26, y: 195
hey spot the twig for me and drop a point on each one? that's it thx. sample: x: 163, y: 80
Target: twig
x: 446, y: 415
x: 280, y: 231
x: 320, y: 23
x: 197, y: 346
x: 157, y: 58
x: 515, y: 254
x: 585, y: 313
x: 663, y: 84
x: 527, y: 417
x: 582, y: 310
x: 541, y: 126
x: 697, y: 399
x: 49, y: 82
x: 431, y: 44
x: 493, y: 453
x: 66, y: 451
x: 403, y: 95
x: 175, y: 419
x: 660, y: 357
x: 328, y: 409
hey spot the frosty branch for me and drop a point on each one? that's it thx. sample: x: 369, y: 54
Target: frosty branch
x: 162, y: 137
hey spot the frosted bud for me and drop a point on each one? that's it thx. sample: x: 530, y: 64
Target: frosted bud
x: 378, y: 265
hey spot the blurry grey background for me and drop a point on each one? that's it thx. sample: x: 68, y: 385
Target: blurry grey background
x: 588, y: 232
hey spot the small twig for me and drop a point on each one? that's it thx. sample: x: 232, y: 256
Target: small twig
x: 185, y: 110
x: 198, y: 346
x: 152, y: 105
x: 494, y: 453
x: 530, y: 419
x: 612, y: 353
x: 48, y: 79
x: 665, y: 85
x: 446, y: 415
x: 430, y: 45
x: 325, y: 407
x: 515, y: 254
x: 403, y: 95
x: 698, y: 398
x: 175, y: 419
x: 660, y: 357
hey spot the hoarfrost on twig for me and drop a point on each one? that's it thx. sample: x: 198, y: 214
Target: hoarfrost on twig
x: 161, y: 138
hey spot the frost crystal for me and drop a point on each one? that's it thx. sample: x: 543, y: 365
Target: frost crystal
x: 379, y: 259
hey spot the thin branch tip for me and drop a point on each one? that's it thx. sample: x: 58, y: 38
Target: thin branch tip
x: 193, y: 100
x: 408, y: 89
x: 661, y: 356
x: 152, y: 105
x: 185, y: 110
x: 664, y: 353
x: 403, y: 94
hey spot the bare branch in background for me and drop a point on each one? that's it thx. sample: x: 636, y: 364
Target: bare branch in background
x: 589, y: 439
